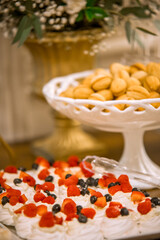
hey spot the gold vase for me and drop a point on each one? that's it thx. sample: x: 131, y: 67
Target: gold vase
x: 59, y: 54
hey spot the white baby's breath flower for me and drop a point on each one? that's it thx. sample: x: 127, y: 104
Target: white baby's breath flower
x: 74, y: 6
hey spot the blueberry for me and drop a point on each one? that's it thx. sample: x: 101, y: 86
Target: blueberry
x: 145, y: 193
x: 48, y: 192
x: 17, y: 181
x: 51, y: 161
x: 56, y: 208
x: 84, y: 191
x: 4, y: 200
x: 35, y: 186
x: 124, y: 211
x: 135, y: 189
x: 82, y: 218
x: 68, y: 175
x: 81, y: 182
x: 79, y: 208
x: 93, y: 199
x: 155, y: 200
x: 111, y: 184
x: 23, y: 169
x: 35, y: 166
x: 90, y: 181
x: 108, y: 197
x: 153, y: 205
x: 49, y: 179
x: 117, y: 183
x: 96, y: 182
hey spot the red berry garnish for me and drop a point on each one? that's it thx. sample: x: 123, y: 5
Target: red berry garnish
x: 71, y: 216
x: 23, y: 198
x: 60, y: 164
x: 61, y: 182
x: 68, y: 206
x: 115, y: 204
x: 41, y: 209
x: 144, y: 207
x: 48, y: 186
x: 101, y: 202
x: 112, y: 212
x: 49, y: 200
x: 126, y: 187
x: 29, y: 180
x: 137, y: 196
x: 114, y: 189
x: 30, y: 210
x: 42, y: 162
x: 95, y: 193
x: 86, y: 168
x: 47, y: 220
x: 13, y: 192
x: 43, y: 174
x: 10, y: 169
x: 123, y: 179
x: 73, y: 161
x: 73, y: 190
x: 88, y: 212
x: 13, y: 200
x: 39, y: 197
x: 73, y: 180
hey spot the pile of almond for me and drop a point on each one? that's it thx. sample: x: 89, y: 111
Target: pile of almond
x: 134, y: 82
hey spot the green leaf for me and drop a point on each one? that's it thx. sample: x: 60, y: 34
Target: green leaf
x: 138, y: 40
x: 90, y: 3
x: 97, y: 12
x: 157, y: 24
x: 139, y: 12
x: 37, y: 26
x: 146, y: 31
x: 22, y: 26
x: 89, y: 15
x: 128, y: 30
x: 24, y: 35
x: 80, y: 16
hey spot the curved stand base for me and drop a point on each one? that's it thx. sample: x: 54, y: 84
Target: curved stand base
x: 135, y: 156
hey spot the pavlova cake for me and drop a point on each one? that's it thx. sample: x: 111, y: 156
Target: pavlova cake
x: 68, y: 200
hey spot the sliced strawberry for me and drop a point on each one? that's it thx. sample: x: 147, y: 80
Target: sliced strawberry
x: 137, y: 196
x: 88, y: 212
x: 47, y: 220
x: 10, y: 169
x: 49, y: 200
x: 123, y: 179
x: 101, y: 202
x: 61, y: 182
x: 73, y: 190
x: 39, y: 197
x: 23, y: 198
x: 73, y: 180
x: 59, y: 172
x: 29, y: 180
x: 126, y: 187
x: 6, y: 186
x: 60, y: 164
x: 58, y: 220
x: 13, y: 192
x: 144, y: 207
x: 30, y: 210
x: 71, y: 216
x: 108, y: 175
x: 112, y: 212
x: 110, y: 180
x: 95, y: 193
x: 43, y: 174
x: 1, y: 174
x: 115, y: 204
x: 102, y: 182
x: 2, y: 181
x: 114, y: 189
x: 42, y: 162
x: 13, y: 200
x: 48, y: 186
x: 41, y: 209
x: 38, y: 187
x: 86, y: 168
x: 68, y: 206
x: 19, y: 210
x: 73, y: 161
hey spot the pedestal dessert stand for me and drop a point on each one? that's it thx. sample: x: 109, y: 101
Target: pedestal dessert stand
x: 107, y: 117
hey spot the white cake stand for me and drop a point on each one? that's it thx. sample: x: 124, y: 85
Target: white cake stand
x: 130, y: 122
